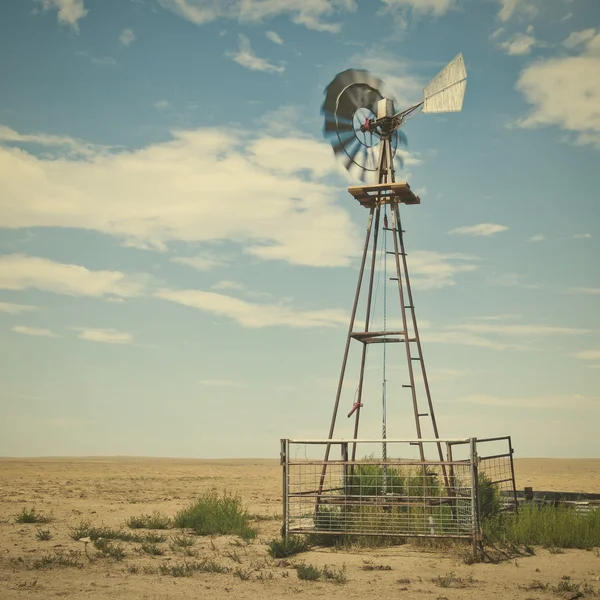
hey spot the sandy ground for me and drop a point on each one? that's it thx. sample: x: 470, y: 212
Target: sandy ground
x: 109, y: 490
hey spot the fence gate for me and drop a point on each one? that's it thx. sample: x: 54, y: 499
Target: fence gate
x: 400, y: 496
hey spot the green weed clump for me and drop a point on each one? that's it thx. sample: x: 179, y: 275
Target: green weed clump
x: 58, y: 559
x: 284, y: 547
x: 490, y: 502
x: 546, y: 525
x: 108, y: 549
x: 188, y: 568
x: 84, y: 530
x: 152, y: 549
x: 156, y: 520
x: 213, y: 514
x: 31, y: 516
x: 43, y: 535
x: 309, y: 572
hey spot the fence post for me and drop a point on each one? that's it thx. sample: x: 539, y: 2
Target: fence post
x: 512, y: 474
x: 284, y: 463
x: 474, y: 493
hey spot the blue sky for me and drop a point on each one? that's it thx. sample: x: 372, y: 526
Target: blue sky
x: 178, y: 251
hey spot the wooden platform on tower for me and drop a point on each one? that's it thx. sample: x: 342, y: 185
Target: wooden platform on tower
x: 384, y: 193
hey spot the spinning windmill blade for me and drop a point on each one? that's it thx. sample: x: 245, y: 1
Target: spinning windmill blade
x: 350, y: 102
x: 358, y: 114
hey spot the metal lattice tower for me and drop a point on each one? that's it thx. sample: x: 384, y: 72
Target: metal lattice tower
x: 365, y: 132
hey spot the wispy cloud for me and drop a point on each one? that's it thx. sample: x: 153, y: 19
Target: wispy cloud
x: 579, y: 38
x: 509, y: 8
x: 565, y: 90
x: 203, y: 262
x: 254, y: 315
x: 72, y: 146
x: 127, y: 36
x: 34, y: 331
x: 588, y: 355
x: 538, y: 237
x: 103, y: 61
x: 15, y: 309
x: 224, y: 383
x: 406, y: 11
x: 534, y: 402
x: 519, y: 43
x: 246, y: 58
x: 291, y: 211
x: 106, y: 336
x: 483, y: 229
x: 226, y: 284
x: 162, y: 104
x: 581, y: 236
x: 495, y: 333
x: 20, y: 272
x: 312, y: 15
x: 434, y: 270
x: 70, y: 12
x: 521, y: 330
x: 274, y: 37
x: 397, y: 74
x: 584, y: 290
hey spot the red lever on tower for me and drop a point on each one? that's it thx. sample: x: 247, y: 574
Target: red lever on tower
x: 355, y: 407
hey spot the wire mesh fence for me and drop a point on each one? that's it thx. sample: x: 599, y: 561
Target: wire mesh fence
x: 496, y: 473
x: 405, y: 495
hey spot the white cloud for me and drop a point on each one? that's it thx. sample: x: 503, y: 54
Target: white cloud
x: 204, y: 262
x: 404, y: 10
x: 482, y: 229
x: 97, y: 60
x: 106, y: 336
x: 538, y: 237
x: 283, y: 208
x: 162, y: 104
x: 274, y: 37
x: 579, y: 38
x: 35, y: 331
x: 71, y: 146
x: 565, y: 91
x: 581, y: 236
x: 396, y: 74
x: 70, y: 12
x: 495, y: 334
x: 508, y: 9
x: 127, y: 36
x: 519, y: 44
x: 254, y: 315
x: 312, y: 14
x: 520, y: 330
x: 588, y: 355
x: 15, y: 309
x: 457, y: 337
x: 226, y: 284
x: 19, y: 272
x: 433, y: 270
x: 246, y: 58
x: 536, y: 402
x: 584, y: 290
x: 224, y: 383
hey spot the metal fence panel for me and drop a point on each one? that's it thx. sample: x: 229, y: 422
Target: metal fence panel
x: 402, y: 496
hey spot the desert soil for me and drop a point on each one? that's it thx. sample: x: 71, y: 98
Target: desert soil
x: 106, y: 491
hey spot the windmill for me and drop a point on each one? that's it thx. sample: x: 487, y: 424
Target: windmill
x: 364, y: 129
